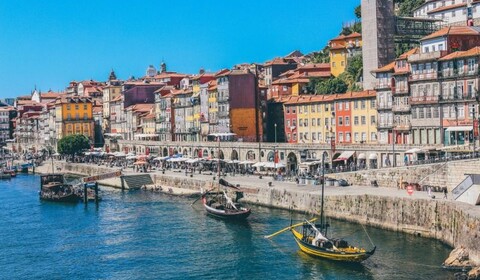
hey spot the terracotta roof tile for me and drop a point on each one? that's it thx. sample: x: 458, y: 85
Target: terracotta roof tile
x: 471, y: 52
x: 454, y: 30
x: 387, y: 68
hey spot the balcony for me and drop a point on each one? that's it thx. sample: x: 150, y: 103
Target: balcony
x: 423, y: 100
x: 453, y: 73
x: 403, y: 127
x: 161, y: 119
x: 224, y: 114
x: 380, y: 86
x: 384, y: 125
x: 384, y: 106
x: 400, y: 108
x: 164, y: 130
x: 424, y: 76
x: 194, y: 130
x: 400, y: 90
x: 222, y: 99
x: 462, y: 97
x: 426, y: 56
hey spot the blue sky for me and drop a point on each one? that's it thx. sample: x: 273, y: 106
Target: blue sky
x: 49, y: 43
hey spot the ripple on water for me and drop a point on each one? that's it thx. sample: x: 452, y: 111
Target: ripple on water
x: 144, y: 235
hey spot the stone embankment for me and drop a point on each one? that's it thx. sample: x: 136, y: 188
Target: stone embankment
x: 446, y: 174
x: 454, y: 223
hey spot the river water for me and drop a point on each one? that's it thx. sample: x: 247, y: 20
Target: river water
x: 144, y: 235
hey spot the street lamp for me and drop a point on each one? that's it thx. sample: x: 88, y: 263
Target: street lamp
x: 275, y: 150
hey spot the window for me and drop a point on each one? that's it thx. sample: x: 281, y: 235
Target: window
x: 363, y: 104
x: 348, y: 137
x: 318, y: 108
x: 69, y: 116
x: 319, y: 121
x: 85, y: 116
x: 326, y: 107
x: 347, y: 121
x: 340, y: 137
x: 294, y: 110
x: 319, y: 136
x: 340, y: 106
x: 300, y: 122
x: 305, y: 109
x: 313, y: 108
x: 314, y: 136
x: 355, y: 137
x: 300, y: 136
x: 355, y: 104
x: 364, y: 136
x: 294, y: 137
x: 355, y: 120
x: 372, y: 120
x: 372, y: 104
x: 460, y: 66
x: 364, y: 120
x: 288, y: 123
x: 471, y: 65
x: 76, y: 107
x: 340, y: 121
x: 300, y: 111
x: 373, y: 136
x: 305, y: 122
x: 84, y: 106
x: 294, y: 122
x: 313, y: 122
x: 284, y: 88
x: 421, y: 113
x: 428, y: 112
x: 326, y: 122
x: 288, y: 109
x: 288, y: 137
x: 68, y: 107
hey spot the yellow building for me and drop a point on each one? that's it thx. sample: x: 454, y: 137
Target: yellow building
x: 363, y: 116
x: 342, y: 48
x: 74, y: 115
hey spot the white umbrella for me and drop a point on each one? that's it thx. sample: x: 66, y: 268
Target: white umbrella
x: 259, y: 164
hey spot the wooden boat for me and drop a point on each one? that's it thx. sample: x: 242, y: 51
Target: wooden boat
x: 53, y: 188
x: 219, y: 204
x: 314, y: 241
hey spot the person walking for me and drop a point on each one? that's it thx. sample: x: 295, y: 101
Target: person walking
x: 445, y: 192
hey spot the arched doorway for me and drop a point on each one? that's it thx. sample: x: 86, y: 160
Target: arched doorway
x: 205, y: 153
x: 292, y: 163
x: 234, y: 155
x: 250, y: 155
x: 185, y: 152
x: 220, y: 154
x: 165, y: 152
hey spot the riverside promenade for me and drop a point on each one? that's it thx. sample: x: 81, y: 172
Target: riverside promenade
x: 454, y: 223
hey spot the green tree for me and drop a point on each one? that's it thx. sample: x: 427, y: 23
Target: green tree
x: 358, y: 11
x: 406, y: 7
x: 322, y: 56
x: 331, y: 86
x: 72, y: 144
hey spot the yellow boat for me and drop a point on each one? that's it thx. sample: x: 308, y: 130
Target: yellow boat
x: 314, y: 243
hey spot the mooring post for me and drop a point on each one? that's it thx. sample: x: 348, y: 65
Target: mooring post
x: 33, y: 166
x: 96, y: 193
x: 85, y: 195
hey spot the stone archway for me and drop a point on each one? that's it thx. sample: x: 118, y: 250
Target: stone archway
x: 185, y: 152
x: 292, y: 163
x: 234, y: 155
x: 175, y: 151
x: 250, y: 155
x: 205, y: 153
x: 165, y: 152
x: 220, y: 154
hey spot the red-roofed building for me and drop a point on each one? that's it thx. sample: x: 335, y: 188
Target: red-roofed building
x: 342, y: 48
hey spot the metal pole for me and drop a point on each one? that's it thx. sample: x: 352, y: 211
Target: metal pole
x: 394, y: 138
x: 275, y: 151
x: 96, y: 193
x: 85, y: 196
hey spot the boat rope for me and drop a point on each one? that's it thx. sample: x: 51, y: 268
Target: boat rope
x: 367, y: 235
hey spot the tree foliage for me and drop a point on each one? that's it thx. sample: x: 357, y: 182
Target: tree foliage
x: 72, y: 144
x: 358, y: 11
x: 331, y: 86
x: 406, y: 7
x: 322, y: 56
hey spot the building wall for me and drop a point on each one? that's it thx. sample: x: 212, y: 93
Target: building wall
x: 244, y: 123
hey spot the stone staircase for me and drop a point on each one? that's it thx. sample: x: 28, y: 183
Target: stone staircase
x: 133, y: 182
x: 468, y: 190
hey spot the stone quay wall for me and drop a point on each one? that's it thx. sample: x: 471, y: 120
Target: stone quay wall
x: 456, y: 224
x: 446, y: 174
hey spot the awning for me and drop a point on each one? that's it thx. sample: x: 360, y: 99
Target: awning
x: 414, y: 151
x: 345, y: 155
x: 372, y: 157
x: 460, y: 128
x: 362, y: 156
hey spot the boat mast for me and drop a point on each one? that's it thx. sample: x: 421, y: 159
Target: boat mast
x: 322, y: 214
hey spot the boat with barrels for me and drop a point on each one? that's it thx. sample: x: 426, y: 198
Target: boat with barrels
x: 220, y: 205
x: 53, y: 188
x: 313, y: 238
